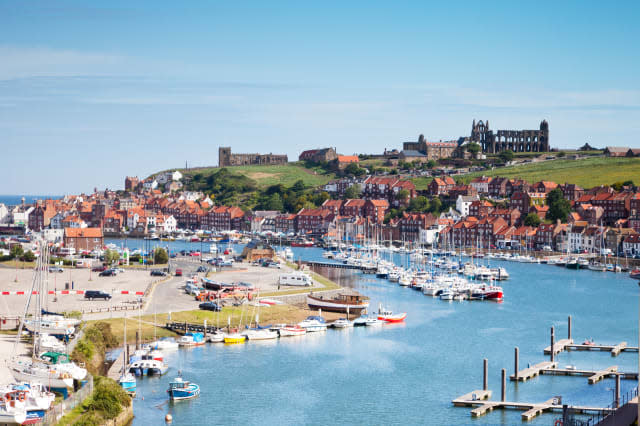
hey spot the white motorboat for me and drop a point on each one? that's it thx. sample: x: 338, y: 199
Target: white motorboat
x: 148, y: 367
x: 215, y: 337
x: 447, y: 294
x: 23, y: 370
x: 51, y: 343
x: 313, y: 323
x: 342, y: 323
x: 165, y: 344
x: 499, y: 274
x: 49, y: 326
x: 12, y: 411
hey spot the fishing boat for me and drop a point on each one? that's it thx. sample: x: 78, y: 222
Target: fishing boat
x: 291, y: 330
x: 12, y: 409
x: 182, y: 389
x: 191, y: 339
x: 313, y: 323
x: 388, y: 316
x: 635, y: 274
x: 342, y: 303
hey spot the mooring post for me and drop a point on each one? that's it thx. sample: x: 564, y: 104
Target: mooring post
x: 504, y: 384
x: 485, y: 376
x: 205, y: 329
x: 569, y: 328
x: 553, y: 338
x: 516, y: 361
x: 617, y: 401
x: 137, y: 340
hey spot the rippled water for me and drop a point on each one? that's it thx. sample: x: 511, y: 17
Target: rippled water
x: 409, y: 373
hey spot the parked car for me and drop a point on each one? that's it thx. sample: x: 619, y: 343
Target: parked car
x: 55, y: 269
x: 178, y: 272
x: 210, y: 306
x: 99, y: 268
x: 201, y: 269
x: 107, y: 273
x: 158, y: 273
x: 96, y: 294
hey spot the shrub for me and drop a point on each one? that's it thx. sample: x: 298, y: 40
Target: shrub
x: 90, y: 418
x: 108, y: 397
x: 83, y: 351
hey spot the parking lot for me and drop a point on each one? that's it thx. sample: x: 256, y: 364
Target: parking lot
x: 131, y: 281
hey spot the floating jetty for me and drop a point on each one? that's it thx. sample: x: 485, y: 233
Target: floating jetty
x: 366, y: 269
x: 481, y: 403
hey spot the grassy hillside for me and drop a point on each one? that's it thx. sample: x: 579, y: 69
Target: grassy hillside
x: 588, y: 172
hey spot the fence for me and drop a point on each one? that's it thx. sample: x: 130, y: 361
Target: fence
x: 606, y: 416
x: 56, y: 411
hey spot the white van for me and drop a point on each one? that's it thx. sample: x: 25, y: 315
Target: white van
x: 295, y: 278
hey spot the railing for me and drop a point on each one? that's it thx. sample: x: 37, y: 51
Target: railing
x: 58, y: 410
x: 607, y: 412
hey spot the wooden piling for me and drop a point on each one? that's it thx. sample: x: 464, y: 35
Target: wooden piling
x: 485, y: 377
x: 617, y: 401
x: 569, y: 327
x: 205, y: 329
x: 553, y: 338
x: 504, y: 385
x: 137, y: 340
x: 516, y: 362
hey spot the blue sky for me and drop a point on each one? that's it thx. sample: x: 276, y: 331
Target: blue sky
x: 93, y: 91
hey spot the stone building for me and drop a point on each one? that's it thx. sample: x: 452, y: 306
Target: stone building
x: 514, y: 140
x: 319, y: 155
x: 423, y: 150
x: 226, y: 158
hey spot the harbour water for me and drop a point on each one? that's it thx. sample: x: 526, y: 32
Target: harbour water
x: 409, y: 373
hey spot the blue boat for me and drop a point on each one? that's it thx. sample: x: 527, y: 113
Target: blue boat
x: 128, y: 382
x: 181, y: 389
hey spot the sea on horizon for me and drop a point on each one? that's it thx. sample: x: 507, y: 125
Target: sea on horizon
x: 14, y: 200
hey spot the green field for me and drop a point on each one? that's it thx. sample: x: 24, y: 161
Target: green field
x: 587, y: 173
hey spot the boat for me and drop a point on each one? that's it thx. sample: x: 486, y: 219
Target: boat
x: 313, y: 323
x: 490, y: 292
x: 596, y: 267
x: 589, y: 342
x: 447, y: 294
x: 500, y: 274
x: 54, y: 327
x: 342, y: 323
x: 215, y: 337
x: 234, y: 338
x: 191, y: 339
x: 12, y: 409
x: 51, y: 343
x: 27, y: 371
x: 635, y: 274
x: 164, y: 344
x: 127, y: 380
x: 64, y: 363
x: 291, y: 330
x: 182, y: 389
x: 342, y: 303
x: 148, y: 367
x: 261, y: 334
x: 572, y: 264
x: 388, y: 316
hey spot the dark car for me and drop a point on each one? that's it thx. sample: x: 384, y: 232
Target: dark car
x: 201, y: 269
x: 99, y: 268
x: 210, y: 306
x: 96, y: 294
x: 158, y: 273
x: 55, y: 269
x: 107, y: 273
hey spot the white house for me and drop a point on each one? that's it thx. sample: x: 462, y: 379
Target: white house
x: 150, y: 184
x: 191, y: 195
x: 132, y: 220
x: 575, y: 238
x: 631, y: 245
x: 53, y: 235
x: 20, y: 215
x: 166, y: 224
x: 463, y: 202
x: 169, y: 177
x: 481, y: 184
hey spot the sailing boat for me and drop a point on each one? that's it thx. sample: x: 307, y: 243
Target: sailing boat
x: 55, y: 376
x: 127, y: 380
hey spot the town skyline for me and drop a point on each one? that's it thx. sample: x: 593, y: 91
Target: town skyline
x: 143, y: 89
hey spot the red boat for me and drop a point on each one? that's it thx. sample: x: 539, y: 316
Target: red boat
x: 492, y: 292
x: 635, y: 274
x: 388, y: 316
x: 302, y: 244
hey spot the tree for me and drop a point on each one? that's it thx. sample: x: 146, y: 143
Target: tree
x: 419, y: 204
x: 532, y: 219
x: 436, y: 205
x: 506, y: 156
x: 352, y: 192
x: 274, y: 202
x: 354, y: 169
x: 402, y: 195
x: 473, y: 148
x: 561, y: 154
x: 16, y: 251
x: 29, y: 256
x: 559, y: 207
x: 431, y: 164
x: 111, y: 256
x: 160, y: 256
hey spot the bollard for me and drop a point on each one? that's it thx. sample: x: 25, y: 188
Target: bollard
x: 516, y: 361
x: 137, y: 340
x: 616, y: 403
x: 205, y: 329
x: 485, y: 377
x: 553, y: 338
x: 569, y: 327
x: 504, y: 384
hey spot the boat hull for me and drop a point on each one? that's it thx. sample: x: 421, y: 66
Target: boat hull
x: 329, y: 305
x: 392, y: 318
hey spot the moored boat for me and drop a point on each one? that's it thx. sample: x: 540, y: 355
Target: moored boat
x: 313, y: 323
x: 342, y: 303
x: 388, y: 316
x: 182, y: 389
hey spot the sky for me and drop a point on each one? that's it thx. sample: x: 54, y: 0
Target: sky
x: 91, y: 92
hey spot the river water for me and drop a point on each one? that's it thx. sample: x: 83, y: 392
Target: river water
x: 409, y: 373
